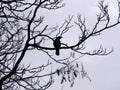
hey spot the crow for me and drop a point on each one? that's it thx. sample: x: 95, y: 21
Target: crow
x: 57, y: 44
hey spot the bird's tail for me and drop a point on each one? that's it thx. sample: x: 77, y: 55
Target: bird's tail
x: 57, y: 52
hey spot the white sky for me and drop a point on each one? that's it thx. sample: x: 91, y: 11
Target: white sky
x: 103, y: 70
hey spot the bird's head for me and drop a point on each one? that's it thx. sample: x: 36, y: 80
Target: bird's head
x: 59, y: 37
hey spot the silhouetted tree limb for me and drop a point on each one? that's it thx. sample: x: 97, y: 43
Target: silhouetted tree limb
x: 21, y: 31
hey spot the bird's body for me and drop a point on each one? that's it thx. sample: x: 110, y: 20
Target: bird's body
x: 57, y: 44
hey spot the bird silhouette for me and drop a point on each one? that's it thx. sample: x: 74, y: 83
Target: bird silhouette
x: 57, y: 44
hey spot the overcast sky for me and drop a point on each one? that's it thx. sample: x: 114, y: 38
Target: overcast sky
x: 103, y: 70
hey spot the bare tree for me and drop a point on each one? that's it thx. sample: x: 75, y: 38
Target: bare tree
x: 19, y: 33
